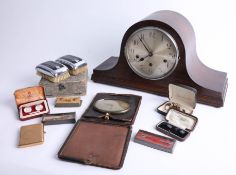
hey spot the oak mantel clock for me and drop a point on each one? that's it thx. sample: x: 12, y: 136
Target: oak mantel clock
x: 157, y: 51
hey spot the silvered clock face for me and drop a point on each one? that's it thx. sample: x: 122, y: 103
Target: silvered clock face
x: 151, y: 53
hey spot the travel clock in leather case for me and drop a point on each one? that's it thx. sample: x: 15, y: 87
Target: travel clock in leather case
x: 101, y: 137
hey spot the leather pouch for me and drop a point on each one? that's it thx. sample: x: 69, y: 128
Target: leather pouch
x: 99, y: 141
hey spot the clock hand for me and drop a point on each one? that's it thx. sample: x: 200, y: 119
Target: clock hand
x: 149, y: 52
x: 142, y: 59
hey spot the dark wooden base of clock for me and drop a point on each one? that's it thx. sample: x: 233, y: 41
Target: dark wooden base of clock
x: 109, y: 72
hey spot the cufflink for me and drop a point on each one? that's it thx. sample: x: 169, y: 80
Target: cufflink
x: 38, y: 107
x: 182, y: 131
x: 27, y: 109
x: 169, y: 126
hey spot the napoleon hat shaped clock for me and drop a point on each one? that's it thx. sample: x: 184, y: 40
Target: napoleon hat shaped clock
x: 157, y: 51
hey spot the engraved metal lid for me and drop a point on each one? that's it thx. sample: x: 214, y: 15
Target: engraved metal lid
x: 52, y: 68
x: 72, y: 62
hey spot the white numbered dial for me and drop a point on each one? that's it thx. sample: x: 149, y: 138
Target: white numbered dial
x: 151, y: 53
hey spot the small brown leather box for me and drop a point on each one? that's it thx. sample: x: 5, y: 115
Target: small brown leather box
x: 101, y: 137
x: 31, y: 102
x: 178, y: 119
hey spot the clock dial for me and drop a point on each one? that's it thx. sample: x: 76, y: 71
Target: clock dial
x: 151, y: 53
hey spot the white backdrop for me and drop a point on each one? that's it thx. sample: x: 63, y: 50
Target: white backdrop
x: 34, y: 31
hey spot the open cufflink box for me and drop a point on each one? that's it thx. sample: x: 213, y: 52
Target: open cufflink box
x: 178, y: 119
x: 177, y: 125
x: 182, y: 98
x: 31, y: 102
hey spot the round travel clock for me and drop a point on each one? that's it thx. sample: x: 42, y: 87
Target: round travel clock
x: 157, y: 51
x: 111, y: 106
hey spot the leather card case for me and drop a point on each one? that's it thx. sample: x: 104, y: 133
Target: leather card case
x: 97, y: 144
x: 98, y: 141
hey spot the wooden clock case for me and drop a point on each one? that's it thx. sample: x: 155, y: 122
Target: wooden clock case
x: 211, y: 84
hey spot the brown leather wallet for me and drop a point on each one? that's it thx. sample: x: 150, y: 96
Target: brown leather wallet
x: 100, y: 142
